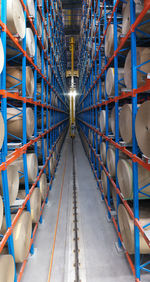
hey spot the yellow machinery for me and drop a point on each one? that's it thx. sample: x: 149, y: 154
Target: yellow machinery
x: 72, y: 73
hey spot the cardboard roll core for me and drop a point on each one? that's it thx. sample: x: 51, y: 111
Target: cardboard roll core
x: 15, y: 18
x: 13, y: 182
x: 7, y: 268
x: 15, y: 122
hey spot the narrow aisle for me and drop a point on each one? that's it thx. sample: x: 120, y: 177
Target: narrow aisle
x: 99, y: 260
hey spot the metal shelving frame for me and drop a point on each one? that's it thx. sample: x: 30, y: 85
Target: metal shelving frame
x: 88, y: 111
x: 49, y: 11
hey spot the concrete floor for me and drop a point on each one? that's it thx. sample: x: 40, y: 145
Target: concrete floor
x: 99, y: 260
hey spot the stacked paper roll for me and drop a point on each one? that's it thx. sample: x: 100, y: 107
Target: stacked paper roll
x: 104, y: 183
x: 30, y: 43
x: 39, y: 24
x: 125, y: 123
x: 35, y: 203
x: 43, y: 186
x: 110, y: 81
x: 102, y: 121
x: 125, y: 179
x: 142, y: 128
x: 127, y: 228
x: 13, y: 182
x: 21, y: 235
x: 14, y: 77
x: 15, y: 18
x: 7, y: 274
x: 1, y: 130
x: 103, y: 152
x: 112, y: 120
x: 143, y: 55
x: 15, y: 123
x: 40, y: 156
x: 31, y: 8
x: 109, y: 40
x: 111, y: 160
x: 126, y: 19
x: 39, y: 65
x: 39, y: 122
x: 39, y: 92
x: 32, y: 167
x: 1, y: 56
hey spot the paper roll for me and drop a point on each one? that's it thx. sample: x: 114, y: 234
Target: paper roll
x: 1, y: 130
x: 126, y: 19
x: 14, y: 77
x: 40, y: 155
x: 142, y: 128
x: 113, y: 122
x: 15, y: 124
x: 43, y: 186
x: 13, y: 182
x: 39, y: 92
x: 32, y: 167
x: 1, y: 56
x: 31, y: 8
x: 127, y: 229
x: 15, y: 18
x: 21, y: 235
x: 125, y: 123
x: 125, y: 179
x: 39, y: 64
x: 35, y: 203
x: 39, y: 121
x: 7, y: 268
x: 39, y: 24
x: 109, y: 40
x: 111, y: 157
x: 30, y: 43
x: 104, y: 183
x: 102, y: 121
x: 143, y: 55
x: 110, y: 81
x: 103, y: 152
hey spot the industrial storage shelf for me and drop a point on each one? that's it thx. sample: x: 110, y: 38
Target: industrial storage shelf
x: 94, y: 115
x: 34, y: 118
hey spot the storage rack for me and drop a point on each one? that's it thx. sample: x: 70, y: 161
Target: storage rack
x: 54, y: 82
x: 96, y: 18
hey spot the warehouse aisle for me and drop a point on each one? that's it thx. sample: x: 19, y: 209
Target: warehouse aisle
x: 99, y: 260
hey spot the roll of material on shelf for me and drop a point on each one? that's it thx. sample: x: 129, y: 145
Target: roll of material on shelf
x: 39, y: 121
x: 142, y: 128
x: 13, y: 182
x: 32, y: 167
x: 7, y: 268
x: 15, y: 18
x: 35, y: 203
x: 43, y: 186
x: 113, y: 122
x: 125, y: 123
x: 39, y: 92
x: 109, y: 40
x: 1, y: 56
x: 2, y: 129
x: 15, y: 122
x: 111, y: 160
x: 21, y: 235
x: 31, y: 8
x: 126, y: 19
x: 110, y: 81
x: 143, y: 55
x: 30, y: 42
x: 104, y: 183
x: 14, y: 77
x: 127, y: 228
x: 102, y: 121
x: 39, y: 24
x: 125, y: 179
x: 39, y: 65
x: 39, y: 144
x: 103, y: 152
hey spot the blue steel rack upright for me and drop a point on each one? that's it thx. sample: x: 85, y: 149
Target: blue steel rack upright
x: 55, y: 84
x: 105, y: 13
